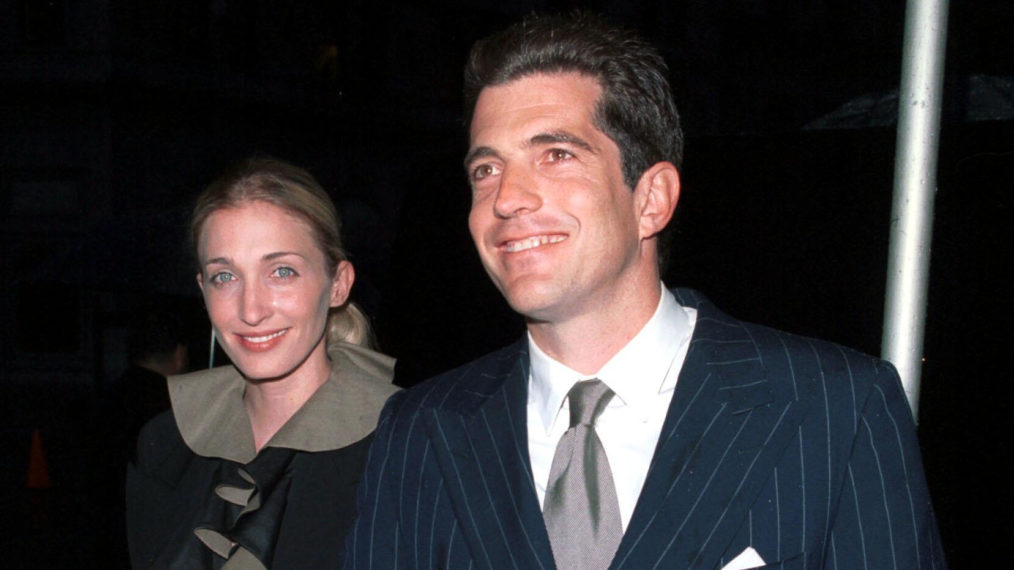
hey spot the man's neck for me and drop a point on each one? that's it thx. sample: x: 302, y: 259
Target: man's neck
x: 158, y: 366
x: 585, y: 342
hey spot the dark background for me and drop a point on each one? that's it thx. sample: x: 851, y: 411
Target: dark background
x: 115, y: 114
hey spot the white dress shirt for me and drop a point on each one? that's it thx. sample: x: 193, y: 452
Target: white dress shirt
x: 642, y: 375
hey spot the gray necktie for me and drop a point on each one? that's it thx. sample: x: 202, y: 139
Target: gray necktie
x: 581, y: 511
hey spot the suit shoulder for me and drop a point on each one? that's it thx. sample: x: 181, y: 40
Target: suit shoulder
x: 458, y: 386
x: 715, y: 325
x: 773, y: 341
x: 815, y: 363
x: 770, y: 339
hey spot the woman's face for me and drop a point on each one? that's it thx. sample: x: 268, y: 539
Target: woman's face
x: 268, y: 290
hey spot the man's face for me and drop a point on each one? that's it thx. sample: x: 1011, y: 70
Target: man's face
x: 555, y: 225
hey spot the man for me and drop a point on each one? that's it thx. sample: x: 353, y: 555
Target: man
x: 156, y: 349
x: 634, y: 427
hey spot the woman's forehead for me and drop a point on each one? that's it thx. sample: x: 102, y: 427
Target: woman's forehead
x: 255, y: 226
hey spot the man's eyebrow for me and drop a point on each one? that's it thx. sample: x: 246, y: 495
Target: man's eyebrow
x: 478, y: 152
x: 556, y: 137
x: 552, y: 137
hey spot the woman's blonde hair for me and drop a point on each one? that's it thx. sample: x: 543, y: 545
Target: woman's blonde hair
x: 266, y: 179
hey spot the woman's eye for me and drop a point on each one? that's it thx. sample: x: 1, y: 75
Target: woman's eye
x: 222, y: 278
x: 285, y: 272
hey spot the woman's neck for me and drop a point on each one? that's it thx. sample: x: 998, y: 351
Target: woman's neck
x: 271, y: 404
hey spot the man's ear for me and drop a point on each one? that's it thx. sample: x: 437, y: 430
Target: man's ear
x: 341, y: 285
x: 181, y: 359
x: 656, y: 196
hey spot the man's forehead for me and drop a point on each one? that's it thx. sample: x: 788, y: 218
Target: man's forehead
x: 530, y: 96
x: 566, y: 77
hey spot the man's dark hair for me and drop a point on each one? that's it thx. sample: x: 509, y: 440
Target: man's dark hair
x: 636, y: 109
x: 155, y: 333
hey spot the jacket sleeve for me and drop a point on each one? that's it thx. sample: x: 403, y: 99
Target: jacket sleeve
x: 884, y: 517
x: 374, y: 539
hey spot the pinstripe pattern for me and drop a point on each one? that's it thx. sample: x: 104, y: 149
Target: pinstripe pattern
x: 801, y: 449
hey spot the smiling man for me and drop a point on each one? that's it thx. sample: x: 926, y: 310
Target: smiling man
x: 634, y: 426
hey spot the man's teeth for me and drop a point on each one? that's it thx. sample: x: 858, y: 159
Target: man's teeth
x: 264, y: 338
x: 534, y: 241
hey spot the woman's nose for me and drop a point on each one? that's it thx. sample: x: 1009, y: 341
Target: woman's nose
x: 255, y: 305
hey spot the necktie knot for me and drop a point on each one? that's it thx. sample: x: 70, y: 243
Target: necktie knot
x: 588, y: 399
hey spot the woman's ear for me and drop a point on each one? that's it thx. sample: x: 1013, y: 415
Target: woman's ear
x: 657, y: 192
x: 341, y: 285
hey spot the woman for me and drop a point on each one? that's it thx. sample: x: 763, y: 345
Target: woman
x: 257, y: 463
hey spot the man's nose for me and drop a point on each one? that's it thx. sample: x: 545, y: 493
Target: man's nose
x: 255, y: 305
x: 518, y: 193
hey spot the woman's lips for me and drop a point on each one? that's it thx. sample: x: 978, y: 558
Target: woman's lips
x: 261, y: 342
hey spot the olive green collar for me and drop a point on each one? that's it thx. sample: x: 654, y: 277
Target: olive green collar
x: 212, y: 419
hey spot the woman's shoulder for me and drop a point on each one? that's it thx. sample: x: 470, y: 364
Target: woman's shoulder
x: 209, y: 413
x: 160, y: 447
x: 159, y: 434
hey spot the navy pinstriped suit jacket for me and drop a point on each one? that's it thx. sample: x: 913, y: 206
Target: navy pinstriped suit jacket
x: 800, y: 449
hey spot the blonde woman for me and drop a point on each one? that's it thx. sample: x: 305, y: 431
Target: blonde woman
x: 257, y: 464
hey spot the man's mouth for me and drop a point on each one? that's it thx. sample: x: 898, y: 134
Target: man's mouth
x: 514, y: 246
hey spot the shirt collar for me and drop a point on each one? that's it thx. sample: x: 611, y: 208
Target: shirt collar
x: 637, y: 373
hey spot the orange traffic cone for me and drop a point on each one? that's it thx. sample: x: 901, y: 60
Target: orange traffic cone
x: 38, y: 469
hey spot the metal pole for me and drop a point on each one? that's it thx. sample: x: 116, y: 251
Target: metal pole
x: 211, y: 350
x: 915, y: 169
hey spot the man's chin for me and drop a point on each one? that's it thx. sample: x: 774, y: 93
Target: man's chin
x: 534, y: 308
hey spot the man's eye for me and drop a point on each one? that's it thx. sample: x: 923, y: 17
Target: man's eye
x: 558, y: 154
x: 483, y: 171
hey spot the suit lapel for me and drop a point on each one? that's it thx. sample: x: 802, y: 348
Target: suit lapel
x: 724, y: 431
x: 480, y: 440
